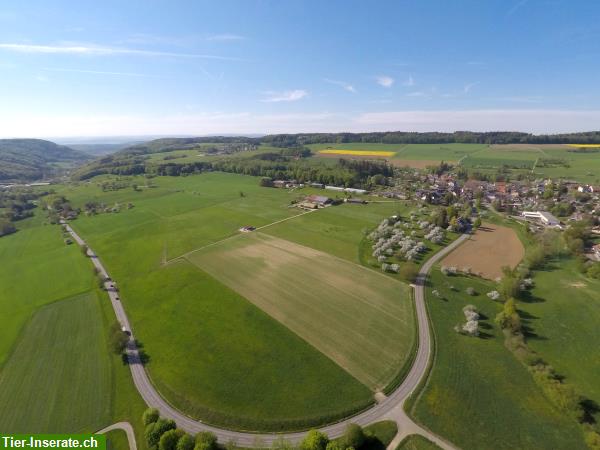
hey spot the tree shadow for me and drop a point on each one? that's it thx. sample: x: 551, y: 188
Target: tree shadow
x: 528, y: 297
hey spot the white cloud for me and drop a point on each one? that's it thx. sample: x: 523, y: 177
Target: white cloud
x: 96, y: 50
x: 285, y: 96
x: 347, y: 86
x: 409, y: 81
x: 384, y: 80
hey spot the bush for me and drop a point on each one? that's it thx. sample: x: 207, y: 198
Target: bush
x: 314, y: 440
x: 471, y: 291
x: 151, y: 415
x: 205, y: 440
x: 186, y: 442
x: 409, y: 272
x: 354, y: 436
x: 169, y: 440
x: 494, y: 295
x: 155, y: 430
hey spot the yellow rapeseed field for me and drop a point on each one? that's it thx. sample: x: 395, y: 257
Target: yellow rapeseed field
x: 356, y: 152
x: 584, y: 145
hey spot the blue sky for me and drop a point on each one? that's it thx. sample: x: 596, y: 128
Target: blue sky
x: 153, y: 67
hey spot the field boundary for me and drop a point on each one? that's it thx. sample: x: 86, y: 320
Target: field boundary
x: 236, y: 234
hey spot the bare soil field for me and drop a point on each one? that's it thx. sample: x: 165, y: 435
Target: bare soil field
x: 489, y: 249
x: 359, y: 318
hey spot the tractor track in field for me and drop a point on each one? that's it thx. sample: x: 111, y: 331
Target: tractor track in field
x: 388, y: 408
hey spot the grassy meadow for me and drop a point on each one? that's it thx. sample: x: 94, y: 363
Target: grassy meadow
x: 562, y: 315
x: 37, y: 269
x: 416, y: 442
x: 217, y: 356
x: 478, y: 393
x: 58, y: 377
x: 359, y: 318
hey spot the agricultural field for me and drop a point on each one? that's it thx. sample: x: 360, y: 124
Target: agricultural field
x: 58, y: 377
x: 563, y: 315
x: 478, y: 393
x: 37, y: 269
x: 359, y: 318
x: 214, y: 354
x: 489, y: 249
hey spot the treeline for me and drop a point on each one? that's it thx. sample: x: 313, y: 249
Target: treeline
x: 16, y: 205
x: 401, y: 137
x: 289, y: 164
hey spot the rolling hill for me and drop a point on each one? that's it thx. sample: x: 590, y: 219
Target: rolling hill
x: 35, y: 159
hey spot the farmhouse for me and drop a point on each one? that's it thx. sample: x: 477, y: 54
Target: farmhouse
x: 543, y: 216
x: 319, y: 200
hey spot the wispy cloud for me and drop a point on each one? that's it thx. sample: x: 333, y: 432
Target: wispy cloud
x: 516, y: 7
x: 384, y: 80
x: 417, y: 94
x: 96, y: 50
x: 98, y: 72
x: 409, y: 81
x: 346, y: 86
x: 285, y: 96
x: 225, y: 37
x: 467, y: 88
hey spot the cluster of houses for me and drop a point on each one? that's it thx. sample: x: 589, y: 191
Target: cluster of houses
x: 525, y: 199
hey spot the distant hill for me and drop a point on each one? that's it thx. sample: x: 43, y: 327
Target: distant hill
x: 35, y: 159
x: 101, y: 149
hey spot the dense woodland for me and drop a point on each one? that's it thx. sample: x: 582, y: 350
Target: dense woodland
x: 35, y: 159
x: 287, y: 164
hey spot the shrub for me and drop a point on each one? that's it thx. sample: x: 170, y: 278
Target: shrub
x: 205, y: 440
x: 155, y: 430
x: 186, y: 442
x: 354, y: 436
x: 471, y: 291
x: 151, y: 415
x: 494, y: 295
x: 409, y: 272
x: 169, y: 440
x: 314, y: 440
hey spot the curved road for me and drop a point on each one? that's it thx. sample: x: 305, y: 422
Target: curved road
x: 390, y: 408
x: 127, y: 428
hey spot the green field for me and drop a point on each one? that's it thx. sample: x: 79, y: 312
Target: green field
x: 37, y: 268
x: 359, y: 318
x: 217, y: 356
x: 563, y: 316
x: 416, y: 442
x: 478, y: 393
x: 58, y: 378
x: 438, y: 152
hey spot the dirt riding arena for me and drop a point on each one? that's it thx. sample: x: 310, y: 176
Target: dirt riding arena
x: 489, y: 249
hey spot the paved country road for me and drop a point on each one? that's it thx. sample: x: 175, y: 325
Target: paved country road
x: 389, y: 408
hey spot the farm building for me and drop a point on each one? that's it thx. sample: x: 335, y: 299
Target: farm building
x: 319, y: 200
x: 356, y: 201
x: 544, y: 217
x: 350, y: 190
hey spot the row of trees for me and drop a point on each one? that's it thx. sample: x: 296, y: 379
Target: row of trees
x: 163, y: 434
x: 400, y: 137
